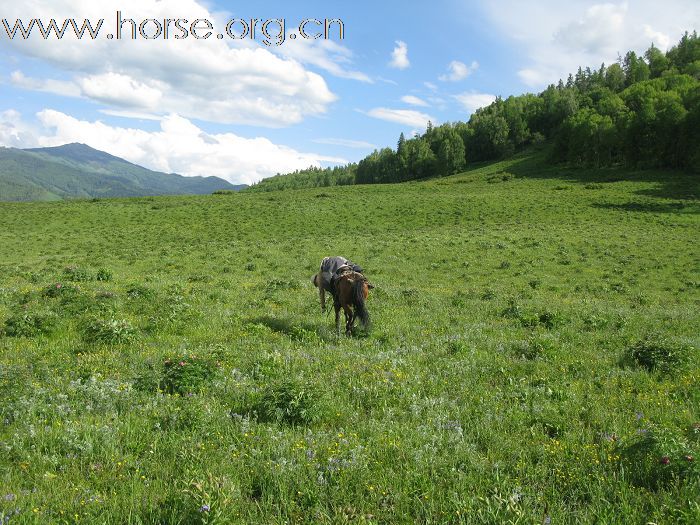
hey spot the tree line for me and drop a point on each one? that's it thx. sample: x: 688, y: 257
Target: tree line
x: 643, y: 111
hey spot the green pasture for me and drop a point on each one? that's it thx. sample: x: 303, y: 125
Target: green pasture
x: 533, y: 356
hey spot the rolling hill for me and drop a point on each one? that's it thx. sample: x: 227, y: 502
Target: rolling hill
x: 79, y: 171
x: 533, y: 354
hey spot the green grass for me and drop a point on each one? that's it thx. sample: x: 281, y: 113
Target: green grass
x: 533, y: 354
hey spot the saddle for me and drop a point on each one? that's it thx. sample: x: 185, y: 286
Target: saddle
x: 348, y: 270
x: 343, y: 270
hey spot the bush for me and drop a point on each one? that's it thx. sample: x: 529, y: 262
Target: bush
x: 658, y: 354
x: 186, y: 374
x: 533, y: 348
x: 657, y: 456
x: 60, y: 290
x: 530, y: 319
x: 138, y: 291
x: 77, y: 274
x: 289, y: 401
x: 103, y: 275
x: 30, y: 324
x: 504, y: 176
x: 108, y: 331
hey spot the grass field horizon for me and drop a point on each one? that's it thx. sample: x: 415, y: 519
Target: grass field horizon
x: 533, y: 356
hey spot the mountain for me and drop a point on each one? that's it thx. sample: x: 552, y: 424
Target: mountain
x: 79, y: 171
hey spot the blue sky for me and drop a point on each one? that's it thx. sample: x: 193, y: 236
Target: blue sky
x: 242, y: 111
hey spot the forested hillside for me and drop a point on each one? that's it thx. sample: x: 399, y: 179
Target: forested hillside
x: 643, y: 111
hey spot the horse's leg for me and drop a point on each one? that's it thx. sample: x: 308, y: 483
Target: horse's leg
x: 349, y: 319
x: 336, y: 305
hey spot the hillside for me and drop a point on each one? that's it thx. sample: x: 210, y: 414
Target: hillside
x: 533, y: 355
x: 79, y: 171
x: 641, y: 112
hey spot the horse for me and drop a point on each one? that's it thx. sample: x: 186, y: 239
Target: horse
x: 351, y: 291
x: 324, y: 279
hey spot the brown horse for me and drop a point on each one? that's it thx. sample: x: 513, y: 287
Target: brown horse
x: 351, y: 291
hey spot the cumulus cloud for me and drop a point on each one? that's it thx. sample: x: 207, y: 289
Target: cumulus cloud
x: 458, y: 71
x: 14, y: 132
x: 595, y: 31
x: 407, y: 117
x: 414, y: 101
x: 179, y: 146
x: 324, y: 54
x: 120, y: 90
x: 471, y: 100
x: 559, y: 37
x: 399, y: 56
x: 57, y: 87
x: 216, y: 80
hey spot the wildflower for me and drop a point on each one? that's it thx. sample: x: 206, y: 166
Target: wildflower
x: 182, y: 363
x: 10, y: 497
x: 204, y: 508
x: 665, y: 460
x: 639, y: 415
x: 689, y: 458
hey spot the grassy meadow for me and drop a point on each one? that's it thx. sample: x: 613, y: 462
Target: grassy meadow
x: 533, y: 356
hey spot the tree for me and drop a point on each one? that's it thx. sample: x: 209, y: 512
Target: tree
x: 658, y: 62
x: 636, y: 70
x: 615, y: 78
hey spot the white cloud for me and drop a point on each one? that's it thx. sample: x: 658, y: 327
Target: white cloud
x: 216, y: 80
x: 15, y: 133
x: 414, y: 101
x: 458, y: 71
x: 661, y: 40
x: 399, y: 56
x: 57, y: 87
x: 430, y: 86
x: 325, y: 54
x: 471, y: 101
x: 407, y: 117
x: 179, y: 146
x: 346, y: 143
x: 138, y: 115
x: 120, y: 90
x: 595, y: 31
x: 558, y: 37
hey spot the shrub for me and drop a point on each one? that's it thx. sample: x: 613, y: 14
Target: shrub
x: 504, y: 176
x: 658, y: 354
x: 186, y: 374
x: 594, y: 322
x: 108, y: 331
x: 138, y: 291
x: 103, y: 275
x: 30, y: 324
x: 530, y: 319
x: 657, y: 456
x: 550, y: 320
x: 60, y: 290
x: 532, y: 348
x: 77, y: 274
x: 289, y: 401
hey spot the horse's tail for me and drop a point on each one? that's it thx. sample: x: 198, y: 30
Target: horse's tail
x: 358, y: 301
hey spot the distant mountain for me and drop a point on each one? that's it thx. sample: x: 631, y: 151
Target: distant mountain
x: 79, y: 171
